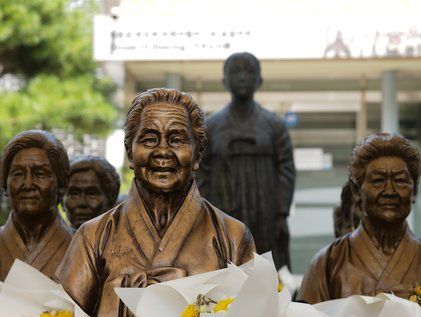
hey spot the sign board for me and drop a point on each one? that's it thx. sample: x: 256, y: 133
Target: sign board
x: 270, y: 29
x: 119, y: 40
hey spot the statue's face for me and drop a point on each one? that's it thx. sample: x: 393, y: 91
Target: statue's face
x: 242, y: 78
x: 163, y: 150
x: 387, y: 191
x: 84, y: 198
x: 31, y: 183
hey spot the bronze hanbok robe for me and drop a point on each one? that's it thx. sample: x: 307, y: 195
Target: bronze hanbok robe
x: 248, y: 172
x: 352, y: 265
x: 122, y: 248
x: 45, y: 257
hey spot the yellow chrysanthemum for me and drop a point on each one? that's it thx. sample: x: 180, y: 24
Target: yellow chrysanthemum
x: 413, y: 298
x: 55, y: 313
x: 223, y: 304
x: 280, y: 287
x: 418, y: 290
x: 190, y: 311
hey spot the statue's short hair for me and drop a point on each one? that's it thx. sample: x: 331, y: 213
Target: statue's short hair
x: 169, y: 96
x: 109, y: 180
x: 43, y: 140
x: 242, y: 55
x: 379, y: 145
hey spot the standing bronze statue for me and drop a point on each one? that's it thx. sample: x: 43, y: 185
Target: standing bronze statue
x: 381, y: 255
x: 93, y: 189
x: 165, y: 229
x: 248, y: 168
x: 34, y: 171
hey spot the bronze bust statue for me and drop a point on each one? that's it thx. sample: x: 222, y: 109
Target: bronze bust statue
x: 34, y: 171
x: 381, y: 255
x: 164, y: 229
x: 248, y: 168
x: 93, y: 189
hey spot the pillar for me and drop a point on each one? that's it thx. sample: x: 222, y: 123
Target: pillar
x: 390, y: 108
x: 362, y: 112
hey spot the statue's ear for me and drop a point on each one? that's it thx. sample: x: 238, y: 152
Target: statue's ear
x: 129, y: 153
x: 259, y: 82
x: 197, y: 161
x: 130, y: 158
x: 414, y: 194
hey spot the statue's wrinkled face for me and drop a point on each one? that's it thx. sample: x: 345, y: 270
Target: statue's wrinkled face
x: 387, y: 191
x: 84, y: 198
x: 242, y: 77
x: 164, y: 148
x: 31, y: 183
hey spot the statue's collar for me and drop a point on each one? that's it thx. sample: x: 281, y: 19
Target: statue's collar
x: 162, y: 251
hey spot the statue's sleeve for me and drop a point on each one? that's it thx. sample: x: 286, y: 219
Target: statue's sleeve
x: 78, y: 272
x: 285, y: 167
x: 246, y: 248
x: 314, y: 288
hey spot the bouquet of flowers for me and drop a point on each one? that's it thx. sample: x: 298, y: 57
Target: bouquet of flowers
x: 248, y: 291
x: 415, y: 295
x: 26, y: 292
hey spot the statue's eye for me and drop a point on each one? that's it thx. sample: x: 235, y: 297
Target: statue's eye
x: 16, y: 173
x: 176, y: 140
x: 72, y: 192
x: 92, y: 192
x: 401, y: 180
x: 378, y: 180
x: 149, y: 140
x: 40, y: 174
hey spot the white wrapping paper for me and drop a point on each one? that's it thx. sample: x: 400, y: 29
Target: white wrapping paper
x: 254, y: 287
x: 27, y: 292
x: 383, y: 305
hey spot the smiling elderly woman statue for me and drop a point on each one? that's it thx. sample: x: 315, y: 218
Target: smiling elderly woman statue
x: 381, y: 255
x: 165, y: 229
x: 35, y: 172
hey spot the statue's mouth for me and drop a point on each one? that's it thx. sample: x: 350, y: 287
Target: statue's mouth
x: 29, y: 198
x: 389, y: 203
x: 163, y: 169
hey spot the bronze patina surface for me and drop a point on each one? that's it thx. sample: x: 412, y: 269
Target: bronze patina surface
x: 34, y: 175
x: 93, y: 189
x: 381, y: 255
x: 165, y: 229
x: 248, y: 168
